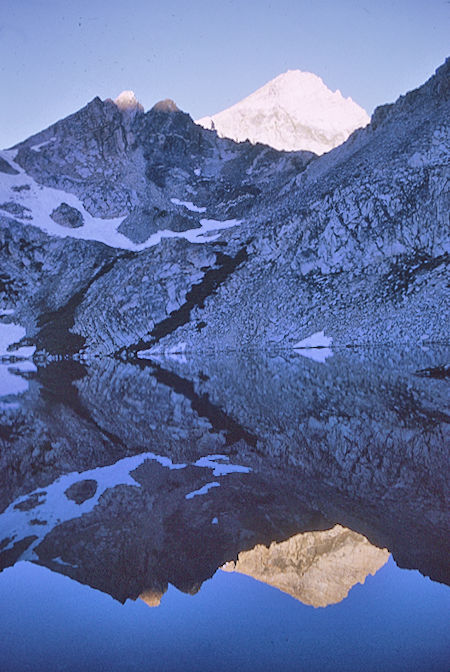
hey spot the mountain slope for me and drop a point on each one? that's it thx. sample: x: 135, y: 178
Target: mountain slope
x: 294, y: 111
x: 127, y: 232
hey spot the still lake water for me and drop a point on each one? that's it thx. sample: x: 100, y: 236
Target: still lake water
x: 245, y: 512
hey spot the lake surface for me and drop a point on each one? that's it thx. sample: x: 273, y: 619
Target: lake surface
x: 248, y: 512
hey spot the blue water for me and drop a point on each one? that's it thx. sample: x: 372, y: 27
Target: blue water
x: 397, y: 621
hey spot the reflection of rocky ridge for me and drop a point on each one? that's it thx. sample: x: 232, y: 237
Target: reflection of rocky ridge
x: 317, y: 568
x: 131, y: 477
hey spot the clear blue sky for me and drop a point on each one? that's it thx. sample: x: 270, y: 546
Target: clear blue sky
x: 56, y: 55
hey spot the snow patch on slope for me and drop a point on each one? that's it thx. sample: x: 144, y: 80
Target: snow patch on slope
x: 37, y: 148
x: 38, y: 202
x: 188, y: 205
x: 317, y: 340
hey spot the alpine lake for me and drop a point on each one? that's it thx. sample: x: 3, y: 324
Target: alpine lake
x: 248, y: 511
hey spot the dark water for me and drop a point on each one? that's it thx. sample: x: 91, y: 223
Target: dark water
x: 243, y: 512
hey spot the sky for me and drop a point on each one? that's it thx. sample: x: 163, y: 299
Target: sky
x: 56, y: 55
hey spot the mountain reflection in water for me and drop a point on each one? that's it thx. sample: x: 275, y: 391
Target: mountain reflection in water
x: 317, y: 568
x: 129, y: 477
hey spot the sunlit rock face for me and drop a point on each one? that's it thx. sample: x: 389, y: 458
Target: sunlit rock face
x: 127, y: 101
x: 294, y: 111
x: 317, y: 568
x: 151, y: 598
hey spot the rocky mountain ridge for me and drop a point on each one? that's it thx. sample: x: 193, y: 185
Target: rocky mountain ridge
x: 122, y: 233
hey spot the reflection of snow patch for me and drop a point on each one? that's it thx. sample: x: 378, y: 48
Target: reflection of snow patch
x: 203, y: 490
x: 215, y: 521
x: 10, y: 334
x: 54, y: 508
x: 174, y: 352
x: 317, y: 340
x: 24, y: 366
x: 9, y: 382
x: 317, y: 354
x: 60, y: 561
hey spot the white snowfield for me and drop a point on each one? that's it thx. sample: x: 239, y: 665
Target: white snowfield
x: 40, y: 202
x: 11, y: 382
x: 315, y: 347
x: 294, y: 111
x: 52, y: 507
x: 317, y: 340
x: 10, y: 334
x: 188, y: 205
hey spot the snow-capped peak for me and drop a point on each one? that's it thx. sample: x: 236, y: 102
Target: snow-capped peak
x: 127, y: 102
x: 294, y: 111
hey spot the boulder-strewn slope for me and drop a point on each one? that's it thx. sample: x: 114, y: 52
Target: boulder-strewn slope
x: 122, y: 231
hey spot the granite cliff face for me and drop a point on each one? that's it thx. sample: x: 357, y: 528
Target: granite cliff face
x: 123, y: 231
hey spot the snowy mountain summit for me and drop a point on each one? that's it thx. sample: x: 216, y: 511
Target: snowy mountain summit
x: 128, y: 103
x: 294, y: 111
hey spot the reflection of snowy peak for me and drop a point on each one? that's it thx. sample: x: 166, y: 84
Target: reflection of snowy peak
x: 293, y: 111
x: 318, y: 568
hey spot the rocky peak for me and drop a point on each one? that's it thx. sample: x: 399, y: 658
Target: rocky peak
x: 352, y: 246
x: 166, y: 117
x: 128, y: 104
x: 167, y: 105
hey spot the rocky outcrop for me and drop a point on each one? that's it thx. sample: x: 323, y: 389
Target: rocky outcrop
x: 317, y: 568
x: 65, y: 215
x: 5, y: 167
